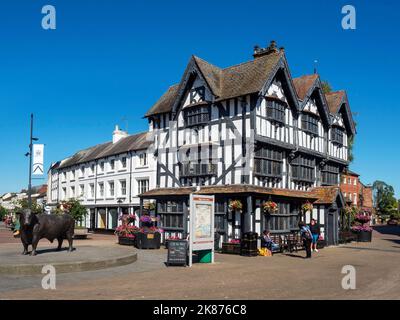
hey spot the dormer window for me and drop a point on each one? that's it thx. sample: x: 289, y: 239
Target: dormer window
x: 309, y: 123
x: 337, y: 135
x: 198, y: 115
x: 276, y: 110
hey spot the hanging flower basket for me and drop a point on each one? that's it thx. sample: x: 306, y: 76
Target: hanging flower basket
x: 235, y: 205
x: 270, y: 207
x: 307, y: 206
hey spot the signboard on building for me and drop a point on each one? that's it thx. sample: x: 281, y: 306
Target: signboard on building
x: 37, y: 167
x: 201, y: 219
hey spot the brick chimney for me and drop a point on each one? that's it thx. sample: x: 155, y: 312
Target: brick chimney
x: 259, y: 52
x: 118, y: 134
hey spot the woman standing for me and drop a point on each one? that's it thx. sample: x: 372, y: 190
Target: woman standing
x: 315, y: 231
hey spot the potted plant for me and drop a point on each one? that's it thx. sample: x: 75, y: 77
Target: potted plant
x: 126, y: 234
x: 270, y: 207
x: 361, y: 228
x: 235, y: 205
x: 148, y: 236
x: 231, y: 247
x: 307, y: 206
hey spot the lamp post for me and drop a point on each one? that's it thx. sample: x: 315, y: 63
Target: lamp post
x: 31, y: 139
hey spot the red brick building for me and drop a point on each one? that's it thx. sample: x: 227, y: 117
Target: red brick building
x: 355, y: 191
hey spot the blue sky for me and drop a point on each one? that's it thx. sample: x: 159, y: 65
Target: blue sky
x: 112, y: 59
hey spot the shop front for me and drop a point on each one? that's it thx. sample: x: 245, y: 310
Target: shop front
x: 241, y: 208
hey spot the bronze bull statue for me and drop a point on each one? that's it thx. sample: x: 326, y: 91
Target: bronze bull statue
x: 50, y: 226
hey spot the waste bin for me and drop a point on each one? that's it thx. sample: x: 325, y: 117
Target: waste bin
x: 248, y: 244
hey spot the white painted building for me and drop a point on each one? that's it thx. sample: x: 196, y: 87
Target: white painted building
x: 106, y: 178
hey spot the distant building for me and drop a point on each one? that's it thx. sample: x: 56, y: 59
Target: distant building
x: 106, y: 178
x: 355, y: 192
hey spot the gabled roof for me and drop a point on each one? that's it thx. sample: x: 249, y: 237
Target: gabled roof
x: 336, y: 100
x: 131, y: 143
x: 303, y: 84
x: 327, y: 195
x: 305, y: 87
x: 238, y: 80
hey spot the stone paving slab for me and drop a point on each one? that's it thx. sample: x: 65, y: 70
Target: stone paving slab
x: 83, y: 258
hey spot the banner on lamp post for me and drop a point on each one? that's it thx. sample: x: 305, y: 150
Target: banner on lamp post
x: 37, y: 167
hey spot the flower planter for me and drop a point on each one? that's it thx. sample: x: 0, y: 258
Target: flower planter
x: 81, y: 233
x: 126, y: 241
x: 231, y: 248
x: 364, y: 236
x: 148, y: 240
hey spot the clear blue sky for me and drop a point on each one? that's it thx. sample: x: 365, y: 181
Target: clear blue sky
x: 110, y: 59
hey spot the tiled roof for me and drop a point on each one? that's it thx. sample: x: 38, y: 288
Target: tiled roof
x: 234, y: 81
x: 334, y: 100
x: 325, y: 195
x: 303, y: 84
x: 131, y: 143
x: 164, y: 104
x: 230, y: 189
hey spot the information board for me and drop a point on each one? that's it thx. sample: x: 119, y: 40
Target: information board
x: 201, y: 217
x: 177, y: 252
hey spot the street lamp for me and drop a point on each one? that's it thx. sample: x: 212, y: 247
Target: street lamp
x: 30, y: 163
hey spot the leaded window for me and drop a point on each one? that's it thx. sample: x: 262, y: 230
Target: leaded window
x: 337, y: 135
x: 303, y: 168
x: 309, y: 123
x: 197, y: 115
x: 171, y: 214
x: 268, y: 162
x: 330, y: 175
x: 219, y: 217
x: 276, y: 110
x: 285, y: 220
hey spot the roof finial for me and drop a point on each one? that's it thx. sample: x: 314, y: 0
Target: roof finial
x: 315, y: 66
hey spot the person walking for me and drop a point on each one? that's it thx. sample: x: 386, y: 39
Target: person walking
x: 306, y: 236
x: 315, y: 231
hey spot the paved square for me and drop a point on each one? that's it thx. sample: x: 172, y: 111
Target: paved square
x: 231, y: 277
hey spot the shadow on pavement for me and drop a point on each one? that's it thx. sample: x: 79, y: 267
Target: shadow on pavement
x: 395, y: 230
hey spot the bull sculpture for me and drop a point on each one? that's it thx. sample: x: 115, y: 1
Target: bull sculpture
x: 50, y: 226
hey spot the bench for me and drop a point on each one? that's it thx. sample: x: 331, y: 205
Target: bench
x: 293, y: 242
x: 275, y: 239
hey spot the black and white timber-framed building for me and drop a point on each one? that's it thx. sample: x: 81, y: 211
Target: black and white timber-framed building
x: 250, y: 132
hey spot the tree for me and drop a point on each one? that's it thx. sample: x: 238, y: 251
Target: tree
x: 350, y: 147
x: 23, y: 204
x: 3, y: 212
x: 326, y: 87
x: 384, y: 200
x: 74, y: 208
